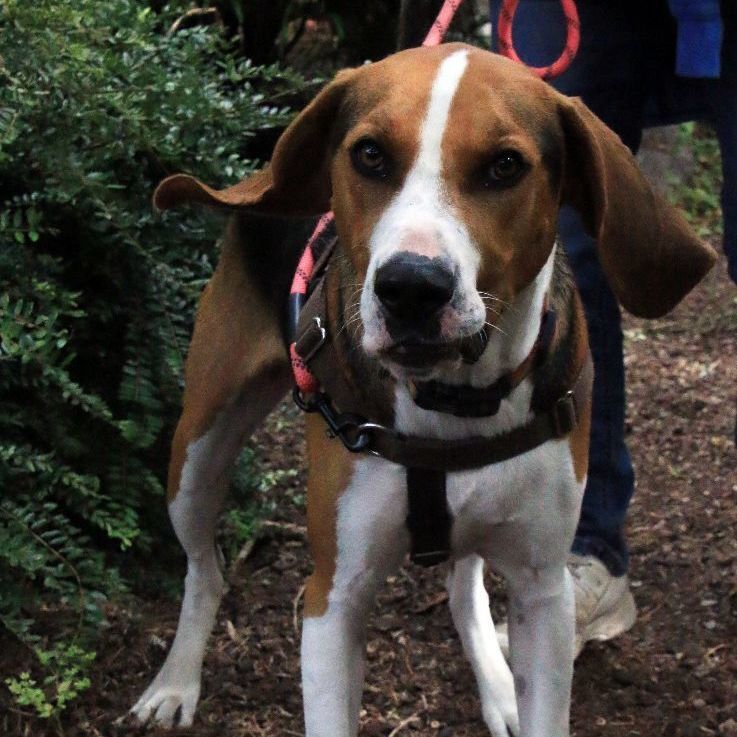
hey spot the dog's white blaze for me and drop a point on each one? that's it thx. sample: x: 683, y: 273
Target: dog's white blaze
x: 421, y: 205
x: 429, y: 159
x: 420, y: 201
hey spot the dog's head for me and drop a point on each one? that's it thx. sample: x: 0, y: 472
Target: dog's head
x: 445, y: 169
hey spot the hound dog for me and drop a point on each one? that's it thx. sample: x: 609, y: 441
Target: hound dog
x: 445, y: 169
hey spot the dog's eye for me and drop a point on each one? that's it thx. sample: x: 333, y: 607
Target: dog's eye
x: 505, y: 169
x: 369, y: 159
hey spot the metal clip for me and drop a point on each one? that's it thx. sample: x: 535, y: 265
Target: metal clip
x: 352, y: 430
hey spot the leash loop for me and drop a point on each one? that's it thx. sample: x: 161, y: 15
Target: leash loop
x: 573, y: 38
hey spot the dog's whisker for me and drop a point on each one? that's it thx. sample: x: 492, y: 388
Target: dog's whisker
x: 489, y: 295
x: 352, y: 320
x: 492, y: 310
x: 495, y: 327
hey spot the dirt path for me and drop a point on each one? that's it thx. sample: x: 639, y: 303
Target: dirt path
x: 674, y: 674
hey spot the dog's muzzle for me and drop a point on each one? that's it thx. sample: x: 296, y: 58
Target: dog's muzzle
x: 415, y: 294
x: 412, y: 290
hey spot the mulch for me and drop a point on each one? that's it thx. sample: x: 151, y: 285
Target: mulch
x: 674, y: 674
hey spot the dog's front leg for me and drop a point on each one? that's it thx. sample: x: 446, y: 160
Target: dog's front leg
x: 469, y: 605
x: 333, y: 666
x: 541, y: 632
x: 355, y: 520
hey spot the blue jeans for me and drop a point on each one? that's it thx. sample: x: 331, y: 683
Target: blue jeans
x: 623, y: 72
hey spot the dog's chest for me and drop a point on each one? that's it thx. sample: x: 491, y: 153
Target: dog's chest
x: 512, y: 513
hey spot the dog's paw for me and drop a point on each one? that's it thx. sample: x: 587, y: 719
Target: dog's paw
x: 502, y: 719
x: 167, y: 705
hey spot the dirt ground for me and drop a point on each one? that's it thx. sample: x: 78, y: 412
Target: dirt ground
x: 674, y: 674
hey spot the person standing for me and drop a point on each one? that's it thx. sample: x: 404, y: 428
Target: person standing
x: 639, y: 64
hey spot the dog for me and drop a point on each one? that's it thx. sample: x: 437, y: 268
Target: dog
x: 453, y: 324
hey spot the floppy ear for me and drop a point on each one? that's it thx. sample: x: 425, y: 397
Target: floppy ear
x: 296, y: 182
x: 648, y: 251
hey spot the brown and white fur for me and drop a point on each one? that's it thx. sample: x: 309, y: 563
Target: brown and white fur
x: 439, y: 119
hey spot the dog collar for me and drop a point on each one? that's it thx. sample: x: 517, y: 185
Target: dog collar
x: 463, y: 400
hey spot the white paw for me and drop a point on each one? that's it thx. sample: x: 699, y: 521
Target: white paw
x: 501, y: 718
x: 162, y: 703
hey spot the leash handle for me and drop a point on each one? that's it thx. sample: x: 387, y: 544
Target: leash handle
x: 573, y: 38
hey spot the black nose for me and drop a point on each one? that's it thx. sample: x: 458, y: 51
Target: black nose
x: 411, y: 287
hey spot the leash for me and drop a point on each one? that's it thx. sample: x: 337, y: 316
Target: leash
x: 573, y: 37
x: 440, y: 27
x: 303, y: 378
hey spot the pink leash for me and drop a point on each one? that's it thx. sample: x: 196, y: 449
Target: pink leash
x: 573, y: 37
x: 304, y: 379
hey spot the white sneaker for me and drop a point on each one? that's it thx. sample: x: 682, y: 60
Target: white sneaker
x: 605, y: 606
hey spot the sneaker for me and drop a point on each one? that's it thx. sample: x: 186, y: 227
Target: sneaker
x: 605, y: 606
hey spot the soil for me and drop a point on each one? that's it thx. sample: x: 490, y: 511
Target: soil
x: 674, y: 674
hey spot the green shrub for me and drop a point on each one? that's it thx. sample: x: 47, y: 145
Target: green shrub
x: 97, y: 104
x: 698, y: 195
x: 65, y: 665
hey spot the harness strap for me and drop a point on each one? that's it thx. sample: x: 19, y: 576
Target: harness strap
x: 461, y: 455
x: 315, y: 347
x: 428, y: 517
x: 358, y: 434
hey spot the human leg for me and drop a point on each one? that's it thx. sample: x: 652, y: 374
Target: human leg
x: 610, y: 73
